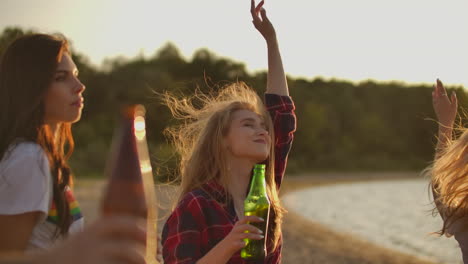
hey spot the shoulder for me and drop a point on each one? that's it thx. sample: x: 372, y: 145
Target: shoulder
x: 187, y: 216
x: 24, y: 150
x: 193, y: 208
x: 25, y: 179
x: 24, y: 156
x: 196, y: 199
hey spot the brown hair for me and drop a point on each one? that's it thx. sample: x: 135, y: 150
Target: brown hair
x: 27, y: 69
x: 199, y: 141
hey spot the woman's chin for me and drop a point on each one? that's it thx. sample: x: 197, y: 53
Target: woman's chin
x: 260, y: 159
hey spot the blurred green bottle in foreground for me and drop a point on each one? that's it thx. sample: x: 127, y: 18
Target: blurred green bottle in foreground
x: 258, y: 204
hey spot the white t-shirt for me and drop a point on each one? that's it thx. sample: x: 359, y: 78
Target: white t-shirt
x: 26, y: 186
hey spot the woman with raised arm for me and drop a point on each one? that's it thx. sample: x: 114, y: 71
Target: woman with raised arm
x: 449, y: 172
x: 219, y: 145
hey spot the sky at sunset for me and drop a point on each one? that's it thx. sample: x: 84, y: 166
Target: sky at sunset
x: 406, y: 40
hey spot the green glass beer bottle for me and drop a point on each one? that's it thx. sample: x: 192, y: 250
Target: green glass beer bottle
x: 258, y: 204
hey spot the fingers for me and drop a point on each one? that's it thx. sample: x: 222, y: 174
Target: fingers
x: 440, y: 93
x: 264, y: 15
x: 243, y: 226
x: 440, y: 89
x: 437, y: 88
x: 252, y: 9
x: 454, y: 100
x: 250, y: 218
x: 241, y: 231
x: 248, y: 228
x: 259, y: 7
x: 238, y: 235
x: 255, y: 18
x: 253, y: 236
x: 255, y: 11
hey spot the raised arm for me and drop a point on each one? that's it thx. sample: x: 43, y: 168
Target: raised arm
x: 446, y: 111
x: 276, y: 82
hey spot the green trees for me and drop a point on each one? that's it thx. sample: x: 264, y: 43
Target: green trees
x: 341, y: 125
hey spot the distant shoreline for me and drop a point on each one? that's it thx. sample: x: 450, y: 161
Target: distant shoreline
x: 338, y: 183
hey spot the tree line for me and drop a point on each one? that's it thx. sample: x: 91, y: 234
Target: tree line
x: 342, y: 125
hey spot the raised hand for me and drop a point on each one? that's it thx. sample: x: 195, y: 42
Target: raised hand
x: 261, y: 21
x: 444, y: 107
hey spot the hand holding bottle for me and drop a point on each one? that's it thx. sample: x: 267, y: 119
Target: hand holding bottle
x: 234, y: 241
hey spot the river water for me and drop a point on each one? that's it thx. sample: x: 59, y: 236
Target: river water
x: 392, y: 214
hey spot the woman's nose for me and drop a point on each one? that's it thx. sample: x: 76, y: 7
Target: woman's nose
x: 80, y: 87
x: 262, y: 131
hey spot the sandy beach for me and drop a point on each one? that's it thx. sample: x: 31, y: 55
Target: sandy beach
x: 305, y: 241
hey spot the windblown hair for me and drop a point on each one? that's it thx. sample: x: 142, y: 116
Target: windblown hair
x: 27, y: 69
x: 199, y: 139
x: 449, y: 181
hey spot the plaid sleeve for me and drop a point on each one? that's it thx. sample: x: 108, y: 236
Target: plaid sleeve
x: 281, y: 109
x: 181, y: 236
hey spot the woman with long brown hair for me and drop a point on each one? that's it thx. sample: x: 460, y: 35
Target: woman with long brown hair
x: 219, y: 145
x: 449, y: 172
x: 40, y: 97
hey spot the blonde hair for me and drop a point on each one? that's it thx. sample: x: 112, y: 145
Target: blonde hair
x: 206, y: 121
x: 449, y: 180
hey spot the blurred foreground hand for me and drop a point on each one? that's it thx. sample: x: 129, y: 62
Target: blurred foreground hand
x: 109, y: 240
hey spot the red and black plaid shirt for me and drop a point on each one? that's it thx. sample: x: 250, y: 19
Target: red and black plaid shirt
x: 202, y: 219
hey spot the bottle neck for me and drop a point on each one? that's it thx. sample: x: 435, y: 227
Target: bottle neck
x: 258, y: 183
